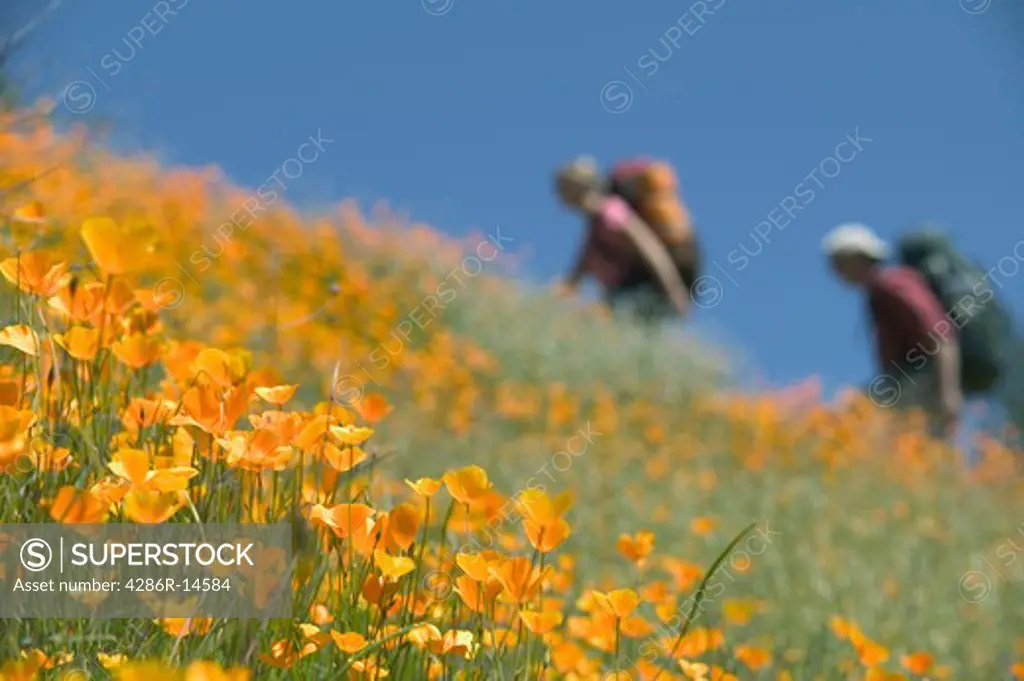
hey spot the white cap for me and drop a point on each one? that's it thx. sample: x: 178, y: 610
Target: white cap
x: 854, y: 239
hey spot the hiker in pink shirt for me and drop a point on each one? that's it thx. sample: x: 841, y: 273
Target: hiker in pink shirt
x: 618, y: 243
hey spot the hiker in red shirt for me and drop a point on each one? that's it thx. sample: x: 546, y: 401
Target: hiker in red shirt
x: 918, y: 352
x: 652, y: 253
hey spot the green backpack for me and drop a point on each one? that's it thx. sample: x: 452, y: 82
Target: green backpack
x: 985, y: 328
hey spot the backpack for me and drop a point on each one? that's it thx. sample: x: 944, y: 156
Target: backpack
x: 651, y: 188
x: 984, y: 326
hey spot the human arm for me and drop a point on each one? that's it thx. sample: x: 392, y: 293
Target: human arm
x: 590, y: 206
x: 570, y: 284
x: 577, y: 272
x: 950, y: 392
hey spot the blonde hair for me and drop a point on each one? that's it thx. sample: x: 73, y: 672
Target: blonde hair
x: 582, y: 171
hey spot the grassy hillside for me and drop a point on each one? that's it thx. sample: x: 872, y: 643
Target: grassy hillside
x: 596, y: 471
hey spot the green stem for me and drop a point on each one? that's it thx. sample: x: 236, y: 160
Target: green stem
x: 699, y: 599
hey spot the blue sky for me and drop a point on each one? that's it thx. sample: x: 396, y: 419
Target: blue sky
x: 456, y: 112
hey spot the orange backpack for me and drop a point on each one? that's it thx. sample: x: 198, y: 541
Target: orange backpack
x: 651, y: 188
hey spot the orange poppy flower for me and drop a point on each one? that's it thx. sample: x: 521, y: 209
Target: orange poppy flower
x: 738, y: 612
x: 393, y: 567
x: 119, y: 298
x: 313, y: 434
x: 48, y: 458
x: 343, y: 459
x: 111, y: 661
x: 635, y: 549
x: 403, y: 524
x: 133, y: 465
x: 147, y: 671
x: 479, y: 596
x: 10, y: 391
x: 349, y: 642
x: 260, y: 452
x: 80, y: 342
x: 548, y: 536
x: 21, y: 337
x: 499, y: 637
x: 703, y: 526
x: 754, y: 658
x: 118, y: 248
x: 284, y: 425
x: 278, y: 394
x: 340, y: 519
x: 178, y: 359
x: 111, y: 490
x: 283, y: 654
x: 477, y: 565
x: 423, y: 635
x: 655, y: 592
x: 372, y: 407
x: 30, y: 213
x: 695, y: 643
x: 378, y: 590
x: 206, y: 408
x: 217, y: 367
x: 539, y: 508
x: 153, y: 507
x: 79, y: 302
x: 44, y: 661
x: 468, y: 484
x: 73, y: 507
x: 311, y: 632
x: 540, y: 622
x: 685, y: 574
x: 871, y: 654
x: 320, y: 614
x: 425, y: 487
x: 520, y: 579
x: 351, y: 435
x: 696, y: 671
x: 636, y: 627
x: 20, y: 670
x: 367, y: 669
x: 566, y: 656
x: 137, y: 350
x: 202, y: 670
x: 919, y: 663
x: 14, y: 440
x: 454, y: 642
x: 337, y: 413
x: 369, y: 537
x: 842, y: 629
x: 37, y: 273
x: 620, y: 603
x: 180, y: 627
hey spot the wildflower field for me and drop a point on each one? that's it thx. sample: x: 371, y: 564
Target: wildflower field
x: 481, y: 483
